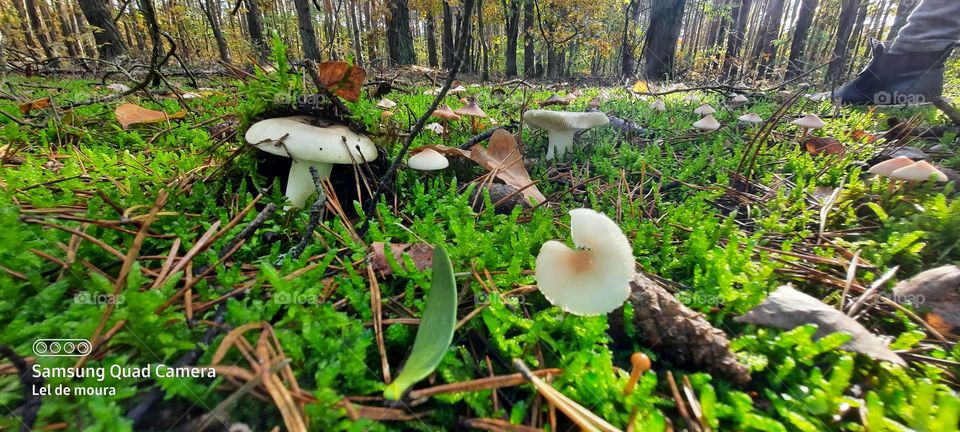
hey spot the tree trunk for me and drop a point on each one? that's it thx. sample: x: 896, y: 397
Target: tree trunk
x: 330, y: 30
x: 765, y: 51
x: 661, y: 43
x: 848, y: 15
x: 308, y: 37
x: 735, y: 41
x: 69, y: 37
x: 255, y: 28
x: 432, y: 41
x: 109, y: 42
x: 24, y: 24
x: 210, y: 11
x: 484, y: 48
x: 511, y: 12
x: 529, y: 50
x: 631, y: 16
x: 357, y: 38
x: 857, y: 33
x: 795, y: 64
x: 904, y: 7
x: 448, y: 46
x: 399, y: 39
x: 37, y: 25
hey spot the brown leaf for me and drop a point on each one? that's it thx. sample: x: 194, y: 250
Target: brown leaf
x: 34, y: 105
x: 503, y: 158
x: 129, y: 114
x: 936, y: 292
x: 787, y: 308
x: 342, y: 78
x: 420, y: 253
x: 823, y: 146
x: 862, y: 135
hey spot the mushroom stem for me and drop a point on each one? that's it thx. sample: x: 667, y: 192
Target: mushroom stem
x: 300, y: 183
x: 559, y: 142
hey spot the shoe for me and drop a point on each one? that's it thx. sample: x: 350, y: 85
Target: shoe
x: 896, y: 79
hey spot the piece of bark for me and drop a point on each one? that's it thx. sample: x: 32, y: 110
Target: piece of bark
x: 935, y: 291
x: 678, y: 333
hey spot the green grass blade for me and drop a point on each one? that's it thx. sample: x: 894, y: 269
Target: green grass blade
x: 436, y: 328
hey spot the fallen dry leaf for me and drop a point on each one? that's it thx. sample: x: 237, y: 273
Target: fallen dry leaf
x: 34, y: 105
x: 823, y: 146
x: 936, y: 293
x: 129, y: 114
x: 420, y: 253
x: 342, y: 78
x: 787, y: 308
x: 503, y: 158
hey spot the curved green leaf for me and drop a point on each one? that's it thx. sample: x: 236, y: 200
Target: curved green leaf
x: 436, y: 328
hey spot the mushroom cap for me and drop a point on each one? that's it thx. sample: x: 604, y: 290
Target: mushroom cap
x: 594, y: 280
x: 444, y: 112
x: 386, y: 104
x: 658, y: 105
x: 751, y: 118
x: 707, y: 123
x: 691, y: 98
x: 471, y: 110
x: 557, y: 120
x: 704, y: 109
x: 809, y: 121
x: 576, y: 93
x: 295, y: 137
x: 739, y: 98
x: 428, y: 160
x: 888, y: 166
x: 554, y: 99
x: 458, y: 89
x: 437, y: 128
x: 920, y: 171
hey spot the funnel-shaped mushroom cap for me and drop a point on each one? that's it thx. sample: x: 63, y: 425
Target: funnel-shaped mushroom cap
x: 691, y: 98
x: 707, y: 123
x: 888, y: 166
x: 919, y: 171
x: 296, y: 138
x: 750, y: 118
x: 704, y: 109
x: 428, y: 160
x: 471, y: 110
x: 561, y: 125
x: 444, y: 112
x: 810, y: 121
x: 595, y: 278
x: 658, y: 105
x: 386, y: 104
x: 739, y: 98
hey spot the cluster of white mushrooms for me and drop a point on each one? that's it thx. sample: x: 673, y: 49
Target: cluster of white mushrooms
x: 904, y: 168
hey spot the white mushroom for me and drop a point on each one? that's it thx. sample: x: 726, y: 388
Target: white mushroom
x: 386, y: 104
x: 739, y: 99
x: 919, y: 171
x: 561, y: 125
x: 658, y: 105
x: 309, y: 146
x: 435, y: 127
x: 751, y: 118
x: 595, y: 278
x: 692, y: 98
x: 428, y: 160
x: 704, y: 109
x: 807, y: 122
x: 707, y: 123
x: 888, y: 166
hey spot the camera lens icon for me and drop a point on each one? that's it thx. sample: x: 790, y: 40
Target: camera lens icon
x: 61, y: 347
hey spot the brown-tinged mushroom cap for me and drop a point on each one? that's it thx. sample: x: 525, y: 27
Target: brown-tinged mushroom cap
x: 919, y: 171
x: 554, y: 99
x: 751, y: 118
x: 739, y: 99
x: 471, y: 110
x: 444, y: 112
x: 707, y: 123
x: 704, y: 109
x: 810, y: 121
x: 888, y: 166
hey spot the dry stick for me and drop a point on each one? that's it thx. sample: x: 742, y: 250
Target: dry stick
x: 490, y: 383
x: 422, y: 121
x: 375, y: 308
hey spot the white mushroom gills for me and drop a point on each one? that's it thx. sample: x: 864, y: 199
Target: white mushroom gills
x: 593, y: 279
x: 561, y: 125
x: 707, y: 123
x: 428, y: 160
x: 704, y: 109
x: 309, y: 146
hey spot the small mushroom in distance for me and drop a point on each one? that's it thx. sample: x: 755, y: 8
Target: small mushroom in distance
x: 386, y: 104
x: 658, y: 105
x: 428, y: 160
x: 704, y: 109
x: 473, y: 111
x: 887, y: 167
x: 593, y: 279
x: 561, y: 125
x: 738, y: 99
x: 554, y: 99
x: 707, y: 123
x: 807, y: 122
x: 309, y: 146
x: 752, y: 118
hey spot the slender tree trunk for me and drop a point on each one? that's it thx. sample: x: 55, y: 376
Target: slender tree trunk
x: 399, y: 39
x: 330, y: 30
x: 432, y: 41
x: 357, y: 39
x: 447, y: 36
x: 24, y: 24
x: 69, y: 37
x: 109, y: 42
x: 631, y: 17
x: 209, y: 10
x: 529, y: 47
x: 740, y: 17
x: 857, y: 33
x: 308, y: 37
x: 484, y: 48
x: 795, y: 63
x: 904, y: 7
x: 255, y: 28
x: 661, y: 43
x: 42, y: 34
x: 765, y: 51
x: 848, y: 15
x: 511, y: 12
